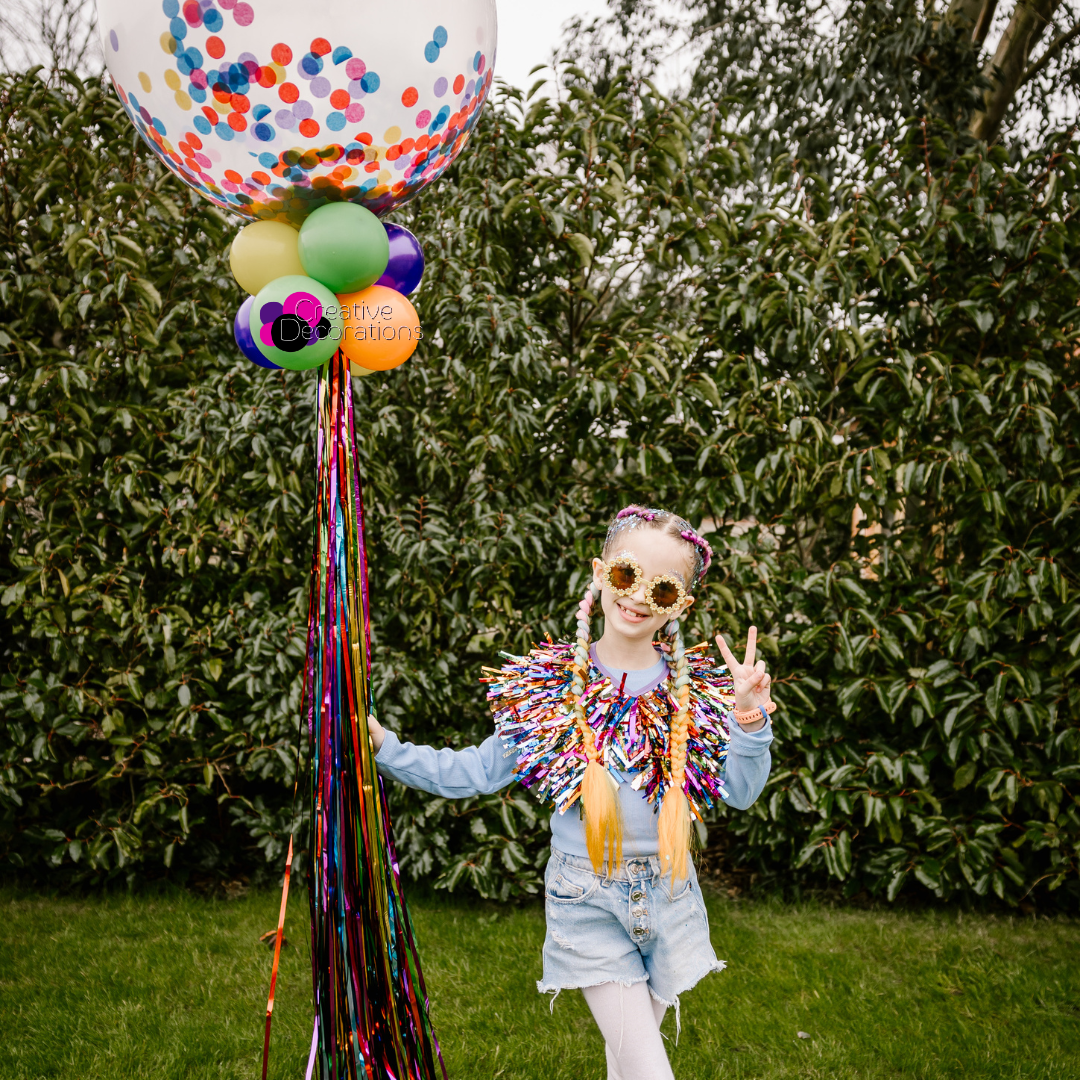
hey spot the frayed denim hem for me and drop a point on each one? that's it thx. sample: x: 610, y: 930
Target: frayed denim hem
x: 713, y: 965
x: 555, y: 991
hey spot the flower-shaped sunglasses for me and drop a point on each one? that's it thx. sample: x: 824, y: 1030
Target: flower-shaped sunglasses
x: 664, y: 593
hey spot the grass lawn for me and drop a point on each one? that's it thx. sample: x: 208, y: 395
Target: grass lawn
x: 175, y: 986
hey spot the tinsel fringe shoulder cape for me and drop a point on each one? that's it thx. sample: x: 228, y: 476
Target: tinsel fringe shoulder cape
x: 533, y: 707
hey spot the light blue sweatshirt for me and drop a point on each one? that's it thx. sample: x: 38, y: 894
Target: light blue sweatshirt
x: 480, y: 770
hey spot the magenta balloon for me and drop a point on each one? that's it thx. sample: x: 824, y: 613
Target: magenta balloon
x: 406, y: 265
x: 244, y: 338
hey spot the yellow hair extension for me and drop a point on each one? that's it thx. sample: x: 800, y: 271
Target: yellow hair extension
x: 603, y: 822
x: 674, y: 823
x: 599, y: 798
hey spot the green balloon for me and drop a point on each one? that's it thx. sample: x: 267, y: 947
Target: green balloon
x: 296, y: 322
x: 344, y: 246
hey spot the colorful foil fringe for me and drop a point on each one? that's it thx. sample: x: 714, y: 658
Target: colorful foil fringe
x: 533, y: 708
x: 371, y: 1007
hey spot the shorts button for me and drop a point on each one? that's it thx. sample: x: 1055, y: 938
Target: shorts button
x: 637, y: 894
x: 638, y: 931
x: 637, y: 912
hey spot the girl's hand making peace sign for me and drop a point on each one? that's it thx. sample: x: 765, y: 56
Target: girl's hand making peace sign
x: 752, y: 681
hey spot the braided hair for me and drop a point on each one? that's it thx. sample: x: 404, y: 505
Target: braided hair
x: 603, y: 826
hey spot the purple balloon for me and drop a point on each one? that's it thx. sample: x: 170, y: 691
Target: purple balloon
x: 244, y: 339
x: 406, y: 265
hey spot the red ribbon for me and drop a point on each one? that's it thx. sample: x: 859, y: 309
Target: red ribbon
x: 277, y: 958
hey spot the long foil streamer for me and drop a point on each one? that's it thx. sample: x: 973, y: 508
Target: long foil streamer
x: 372, y: 1017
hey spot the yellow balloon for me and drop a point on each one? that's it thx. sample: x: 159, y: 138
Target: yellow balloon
x: 359, y: 372
x: 262, y: 252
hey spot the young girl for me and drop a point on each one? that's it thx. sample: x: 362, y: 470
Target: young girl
x: 628, y: 740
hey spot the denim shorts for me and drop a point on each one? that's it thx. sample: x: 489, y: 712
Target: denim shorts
x: 629, y: 928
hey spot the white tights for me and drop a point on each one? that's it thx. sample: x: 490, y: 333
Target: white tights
x: 629, y: 1019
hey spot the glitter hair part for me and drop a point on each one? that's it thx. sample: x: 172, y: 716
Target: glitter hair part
x: 635, y: 516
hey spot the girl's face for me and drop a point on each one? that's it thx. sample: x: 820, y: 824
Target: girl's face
x: 656, y: 552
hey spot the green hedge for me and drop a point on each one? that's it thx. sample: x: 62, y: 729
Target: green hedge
x: 607, y: 319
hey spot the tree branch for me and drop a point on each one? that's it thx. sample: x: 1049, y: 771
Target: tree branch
x: 982, y: 24
x: 1052, y: 50
x: 971, y: 16
x: 1029, y: 20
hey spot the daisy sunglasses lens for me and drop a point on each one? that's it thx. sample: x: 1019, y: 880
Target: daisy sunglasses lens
x: 623, y: 576
x: 665, y: 593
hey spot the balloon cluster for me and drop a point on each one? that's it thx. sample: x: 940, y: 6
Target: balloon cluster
x: 340, y: 281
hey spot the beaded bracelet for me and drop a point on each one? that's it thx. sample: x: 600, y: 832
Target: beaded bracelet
x: 746, y: 716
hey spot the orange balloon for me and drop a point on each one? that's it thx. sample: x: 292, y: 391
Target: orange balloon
x: 382, y: 328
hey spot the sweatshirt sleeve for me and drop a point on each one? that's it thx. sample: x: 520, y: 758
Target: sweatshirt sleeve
x: 748, y: 765
x: 454, y: 774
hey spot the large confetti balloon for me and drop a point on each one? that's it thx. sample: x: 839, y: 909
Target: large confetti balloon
x: 271, y: 108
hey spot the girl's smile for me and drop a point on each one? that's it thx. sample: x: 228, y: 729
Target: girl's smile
x: 630, y: 613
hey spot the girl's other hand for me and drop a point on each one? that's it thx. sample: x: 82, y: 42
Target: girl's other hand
x: 375, y: 730
x: 751, y: 681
